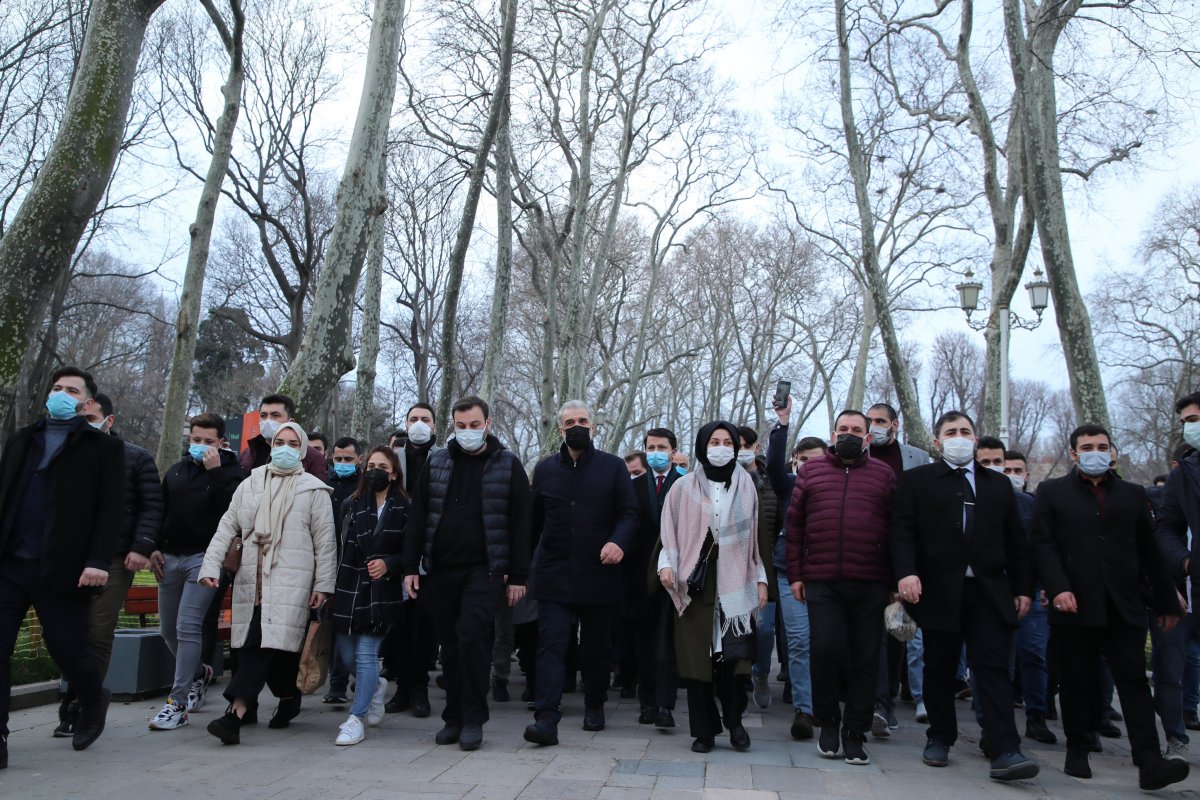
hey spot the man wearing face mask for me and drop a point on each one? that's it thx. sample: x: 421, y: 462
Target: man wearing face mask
x: 965, y: 576
x: 469, y: 530
x: 1097, y: 560
x: 135, y: 544
x: 196, y: 492
x: 410, y: 649
x: 61, y: 510
x: 273, y: 412
x: 837, y: 528
x: 584, y: 521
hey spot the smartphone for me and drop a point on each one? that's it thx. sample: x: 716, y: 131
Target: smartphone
x: 782, y: 390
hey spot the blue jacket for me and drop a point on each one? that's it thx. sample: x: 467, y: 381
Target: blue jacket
x: 578, y: 507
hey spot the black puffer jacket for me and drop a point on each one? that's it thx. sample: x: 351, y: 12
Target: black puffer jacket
x: 196, y: 499
x: 362, y: 605
x: 143, y: 503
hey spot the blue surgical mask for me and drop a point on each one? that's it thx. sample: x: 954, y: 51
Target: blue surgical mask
x: 659, y: 461
x: 61, y: 405
x: 344, y: 470
x: 681, y: 471
x: 197, y: 452
x: 1191, y: 434
x: 285, y: 457
x: 1095, y: 462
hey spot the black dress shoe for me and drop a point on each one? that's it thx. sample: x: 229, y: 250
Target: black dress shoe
x: 802, y: 726
x: 448, y: 734
x: 647, y: 716
x: 703, y: 745
x: 68, y: 715
x: 91, y: 722
x: 287, y: 710
x: 399, y: 702
x: 543, y: 731
x: 1109, y: 730
x: 1161, y: 773
x: 593, y: 719
x: 1191, y: 720
x: 1077, y: 765
x: 500, y: 691
x: 1035, y: 728
x: 665, y: 719
x: 738, y: 739
x: 471, y: 737
x: 420, y: 702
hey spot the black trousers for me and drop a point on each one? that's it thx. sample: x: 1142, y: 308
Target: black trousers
x: 464, y: 608
x: 260, y: 666
x: 1123, y: 645
x: 654, y: 647
x: 845, y: 616
x: 64, y: 619
x: 556, y: 625
x: 704, y: 721
x: 989, y: 641
x: 410, y: 648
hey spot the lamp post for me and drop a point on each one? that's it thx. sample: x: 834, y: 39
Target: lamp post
x: 1039, y: 300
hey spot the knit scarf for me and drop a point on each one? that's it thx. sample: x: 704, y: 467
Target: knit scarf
x: 278, y: 493
x: 687, y: 517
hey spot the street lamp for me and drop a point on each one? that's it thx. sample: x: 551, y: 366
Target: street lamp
x: 1039, y: 301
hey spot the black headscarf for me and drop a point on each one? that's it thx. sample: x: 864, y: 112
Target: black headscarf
x: 723, y: 474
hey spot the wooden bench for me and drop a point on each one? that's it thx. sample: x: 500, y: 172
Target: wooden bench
x: 142, y: 601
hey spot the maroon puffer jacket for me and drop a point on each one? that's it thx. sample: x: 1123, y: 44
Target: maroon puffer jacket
x: 837, y: 521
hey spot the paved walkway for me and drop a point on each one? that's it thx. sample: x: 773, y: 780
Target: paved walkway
x: 624, y: 762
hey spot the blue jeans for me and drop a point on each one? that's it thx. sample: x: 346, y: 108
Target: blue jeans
x: 795, y: 626
x: 1168, y: 661
x: 1191, y: 671
x: 361, y: 652
x: 1033, y: 638
x: 916, y: 667
x: 764, y: 641
x: 182, y: 604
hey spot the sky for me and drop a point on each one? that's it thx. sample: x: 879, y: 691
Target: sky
x: 1107, y: 217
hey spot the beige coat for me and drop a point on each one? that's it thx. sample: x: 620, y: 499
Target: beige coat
x: 306, y: 563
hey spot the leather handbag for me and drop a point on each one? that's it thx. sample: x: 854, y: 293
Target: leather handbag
x: 233, y: 556
x: 698, y: 579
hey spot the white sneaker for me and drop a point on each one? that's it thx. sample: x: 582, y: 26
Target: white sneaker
x: 376, y: 711
x: 198, y: 691
x: 171, y: 717
x: 351, y: 731
x: 922, y: 714
x: 1176, y: 749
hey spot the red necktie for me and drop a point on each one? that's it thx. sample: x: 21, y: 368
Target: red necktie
x: 658, y: 489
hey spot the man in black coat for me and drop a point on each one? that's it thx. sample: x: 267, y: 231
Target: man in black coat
x: 1096, y: 555
x: 468, y: 530
x: 61, y: 510
x: 646, y: 612
x: 584, y: 520
x: 965, y: 576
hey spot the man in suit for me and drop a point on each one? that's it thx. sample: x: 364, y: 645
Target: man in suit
x: 965, y: 577
x: 646, y: 609
x: 1096, y: 555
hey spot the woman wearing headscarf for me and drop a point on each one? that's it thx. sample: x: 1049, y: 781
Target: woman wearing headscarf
x: 284, y: 519
x: 370, y: 584
x: 711, y: 568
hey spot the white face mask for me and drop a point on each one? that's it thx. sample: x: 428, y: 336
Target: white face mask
x: 1094, y: 462
x: 268, y: 428
x: 959, y: 450
x: 720, y: 456
x: 1018, y: 482
x: 880, y: 435
x: 470, y: 439
x: 997, y: 469
x: 746, y: 458
x: 419, y: 433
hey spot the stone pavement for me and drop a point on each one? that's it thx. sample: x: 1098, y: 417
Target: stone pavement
x: 626, y: 761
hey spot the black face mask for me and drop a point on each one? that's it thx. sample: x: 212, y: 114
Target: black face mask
x: 377, y: 480
x: 848, y: 446
x: 577, y: 437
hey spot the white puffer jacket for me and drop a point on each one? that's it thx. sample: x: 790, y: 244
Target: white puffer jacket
x: 306, y: 563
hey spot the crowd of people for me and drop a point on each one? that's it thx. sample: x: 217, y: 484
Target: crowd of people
x: 871, y: 569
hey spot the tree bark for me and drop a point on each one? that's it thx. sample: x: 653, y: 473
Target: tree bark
x: 858, y: 378
x: 326, y: 352
x: 466, y: 227
x: 37, y: 247
x: 914, y: 425
x: 187, y: 321
x: 368, y: 348
x: 1032, y: 60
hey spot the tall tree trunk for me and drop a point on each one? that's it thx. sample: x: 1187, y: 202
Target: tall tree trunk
x: 37, y: 247
x: 858, y: 378
x: 368, y: 348
x: 1032, y: 61
x: 187, y: 322
x: 914, y: 424
x: 326, y: 352
x: 494, y: 355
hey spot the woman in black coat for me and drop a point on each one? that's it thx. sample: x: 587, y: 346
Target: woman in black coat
x: 370, y: 584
